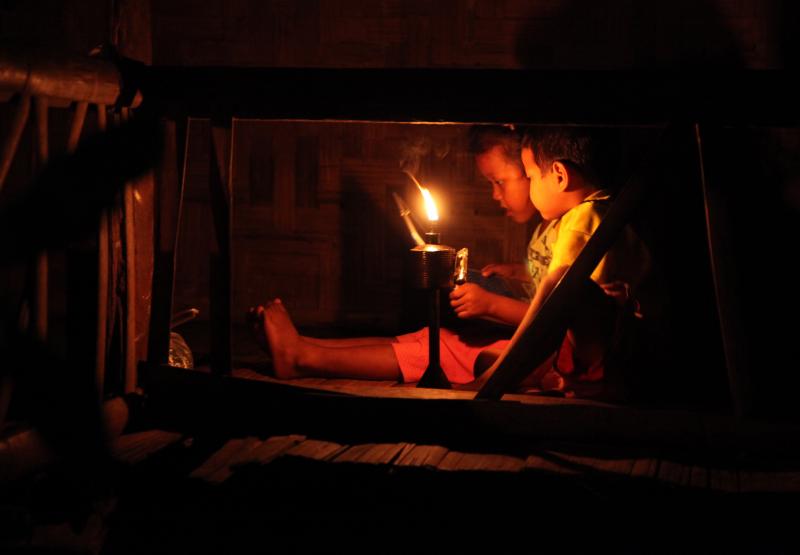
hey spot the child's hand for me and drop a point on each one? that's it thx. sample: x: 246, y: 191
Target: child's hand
x: 471, y: 301
x: 513, y: 271
x: 620, y: 291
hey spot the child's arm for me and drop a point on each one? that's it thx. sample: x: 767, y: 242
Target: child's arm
x: 471, y: 301
x: 513, y: 271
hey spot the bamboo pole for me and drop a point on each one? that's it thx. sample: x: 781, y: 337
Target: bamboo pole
x: 78, y: 118
x: 130, y: 282
x: 12, y: 141
x: 41, y: 266
x: 55, y: 75
x: 102, y: 279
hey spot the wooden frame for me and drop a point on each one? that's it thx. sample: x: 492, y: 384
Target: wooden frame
x: 745, y: 97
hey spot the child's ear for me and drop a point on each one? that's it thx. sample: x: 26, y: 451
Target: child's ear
x: 561, y: 173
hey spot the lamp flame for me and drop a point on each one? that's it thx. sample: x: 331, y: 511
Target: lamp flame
x: 430, y: 205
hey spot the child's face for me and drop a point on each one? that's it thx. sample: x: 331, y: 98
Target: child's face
x: 544, y: 191
x: 509, y: 184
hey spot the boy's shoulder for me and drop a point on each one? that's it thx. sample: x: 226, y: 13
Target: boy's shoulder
x: 586, y: 216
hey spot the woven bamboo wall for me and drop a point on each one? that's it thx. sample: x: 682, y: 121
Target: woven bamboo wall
x: 315, y: 222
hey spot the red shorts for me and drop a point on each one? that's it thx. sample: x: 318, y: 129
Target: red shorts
x: 457, y: 354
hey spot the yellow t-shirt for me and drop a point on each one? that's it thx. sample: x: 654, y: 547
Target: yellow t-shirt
x: 540, y: 254
x: 627, y: 260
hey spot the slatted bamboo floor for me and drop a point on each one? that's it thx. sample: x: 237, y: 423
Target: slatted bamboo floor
x: 295, y: 493
x: 596, y: 462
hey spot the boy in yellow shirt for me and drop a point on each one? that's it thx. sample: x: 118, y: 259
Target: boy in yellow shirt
x: 561, y: 164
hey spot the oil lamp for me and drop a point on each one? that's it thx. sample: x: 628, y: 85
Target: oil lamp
x: 432, y: 269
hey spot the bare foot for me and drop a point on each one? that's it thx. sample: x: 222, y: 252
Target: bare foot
x: 284, y: 341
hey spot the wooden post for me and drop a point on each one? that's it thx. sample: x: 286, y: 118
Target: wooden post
x: 131, y: 33
x: 80, y: 292
x: 170, y: 180
x: 102, y: 279
x: 40, y: 264
x: 116, y: 265
x: 12, y: 141
x: 725, y: 290
x: 222, y: 144
x: 130, y: 281
x: 130, y: 291
x: 10, y: 145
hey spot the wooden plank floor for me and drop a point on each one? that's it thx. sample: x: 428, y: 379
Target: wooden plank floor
x: 697, y: 475
x: 682, y: 466
x: 300, y: 492
x: 252, y: 397
x: 293, y: 493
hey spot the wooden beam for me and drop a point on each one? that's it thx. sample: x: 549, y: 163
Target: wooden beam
x: 21, y: 113
x: 447, y: 95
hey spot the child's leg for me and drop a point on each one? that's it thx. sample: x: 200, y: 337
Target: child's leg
x: 255, y: 320
x: 546, y: 286
x: 485, y: 359
x: 348, y: 341
x: 293, y: 357
x: 592, y: 329
x: 489, y: 356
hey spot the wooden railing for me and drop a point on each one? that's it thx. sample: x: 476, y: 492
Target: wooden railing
x: 45, y: 80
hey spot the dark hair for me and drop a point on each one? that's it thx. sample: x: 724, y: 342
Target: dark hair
x: 581, y: 148
x: 483, y: 138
